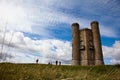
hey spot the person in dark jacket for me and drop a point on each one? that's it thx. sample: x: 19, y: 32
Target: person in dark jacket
x: 56, y: 62
x: 37, y: 61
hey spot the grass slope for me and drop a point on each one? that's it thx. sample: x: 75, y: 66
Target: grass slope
x: 10, y: 71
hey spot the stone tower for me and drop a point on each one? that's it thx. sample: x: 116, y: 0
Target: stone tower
x: 86, y: 45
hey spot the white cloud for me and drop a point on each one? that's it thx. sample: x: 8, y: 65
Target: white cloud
x: 25, y: 50
x: 14, y: 17
x: 107, y: 31
x: 38, y: 16
x: 112, y: 53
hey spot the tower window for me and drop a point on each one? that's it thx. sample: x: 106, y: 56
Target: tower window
x: 82, y: 47
x: 81, y: 43
x: 91, y: 54
x: 90, y: 33
x: 90, y: 43
x: 91, y: 46
x: 91, y: 57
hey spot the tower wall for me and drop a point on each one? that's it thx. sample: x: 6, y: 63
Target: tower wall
x: 97, y: 43
x: 75, y: 44
x: 87, y: 53
x: 84, y: 52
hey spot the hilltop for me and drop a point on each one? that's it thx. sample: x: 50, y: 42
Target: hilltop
x: 9, y: 71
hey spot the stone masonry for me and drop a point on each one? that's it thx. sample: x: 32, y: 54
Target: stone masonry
x: 86, y: 45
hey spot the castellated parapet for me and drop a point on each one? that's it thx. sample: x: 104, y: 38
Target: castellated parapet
x: 86, y: 45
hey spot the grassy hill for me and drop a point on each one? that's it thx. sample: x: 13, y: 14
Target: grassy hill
x: 10, y: 71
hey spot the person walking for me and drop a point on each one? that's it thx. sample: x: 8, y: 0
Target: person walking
x: 56, y: 62
x: 37, y: 61
x: 59, y: 62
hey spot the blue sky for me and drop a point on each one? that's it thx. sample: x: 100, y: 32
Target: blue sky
x: 42, y: 28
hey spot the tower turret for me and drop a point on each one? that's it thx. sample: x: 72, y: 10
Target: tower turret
x: 97, y: 43
x: 75, y: 44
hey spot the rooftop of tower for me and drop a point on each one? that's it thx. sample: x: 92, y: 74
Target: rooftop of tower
x: 94, y: 22
x: 84, y: 29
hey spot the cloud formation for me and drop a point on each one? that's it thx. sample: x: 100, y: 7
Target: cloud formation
x: 22, y: 49
x: 45, y: 17
x: 38, y: 16
x: 112, y: 53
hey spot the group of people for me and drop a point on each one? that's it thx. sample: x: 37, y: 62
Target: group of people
x: 56, y: 62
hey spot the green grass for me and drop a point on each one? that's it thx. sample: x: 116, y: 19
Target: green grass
x: 10, y: 71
